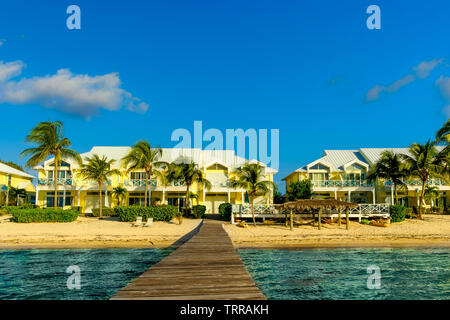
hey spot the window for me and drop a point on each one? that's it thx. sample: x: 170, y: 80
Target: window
x: 318, y: 176
x: 60, y: 174
x: 137, y: 175
x: 9, y: 180
x: 217, y: 166
x: 318, y: 166
x: 51, y: 199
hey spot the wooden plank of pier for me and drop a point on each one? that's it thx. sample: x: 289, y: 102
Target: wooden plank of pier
x: 207, y: 267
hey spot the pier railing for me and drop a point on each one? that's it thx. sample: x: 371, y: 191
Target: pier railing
x: 273, y: 211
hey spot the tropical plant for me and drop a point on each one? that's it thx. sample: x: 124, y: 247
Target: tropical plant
x: 422, y: 162
x: 189, y: 173
x: 397, y: 213
x: 50, y: 141
x: 195, y: 196
x: 119, y: 193
x: 12, y: 165
x: 99, y: 170
x: 251, y: 178
x: 299, y: 190
x: 389, y: 167
x: 431, y: 193
x: 16, y: 193
x: 278, y: 198
x: 143, y: 157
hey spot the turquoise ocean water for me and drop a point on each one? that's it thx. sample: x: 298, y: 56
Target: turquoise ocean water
x: 41, y: 274
x: 342, y: 273
x: 281, y: 274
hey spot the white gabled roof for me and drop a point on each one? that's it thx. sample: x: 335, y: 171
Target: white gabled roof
x: 338, y: 159
x: 201, y: 157
x: 10, y: 170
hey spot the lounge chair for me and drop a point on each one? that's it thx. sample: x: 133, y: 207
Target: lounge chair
x: 138, y: 222
x: 148, y: 223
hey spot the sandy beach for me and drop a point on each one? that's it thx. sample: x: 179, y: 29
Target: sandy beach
x: 87, y: 232
x: 433, y: 231
x: 92, y: 233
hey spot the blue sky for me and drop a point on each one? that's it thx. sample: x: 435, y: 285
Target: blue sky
x: 311, y: 69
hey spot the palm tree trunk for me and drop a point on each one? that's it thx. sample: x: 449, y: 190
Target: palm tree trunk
x: 421, y: 199
x: 55, y: 179
x: 100, y: 215
x: 396, y: 194
x: 253, y: 210
x: 187, y: 196
x: 146, y: 189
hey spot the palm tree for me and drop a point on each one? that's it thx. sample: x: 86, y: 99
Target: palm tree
x: 422, y: 163
x: 99, y: 170
x: 15, y: 193
x: 389, y: 167
x: 50, y: 141
x: 431, y: 193
x: 193, y: 195
x: 143, y: 157
x: 189, y: 173
x: 443, y: 134
x: 250, y: 177
x: 119, y: 192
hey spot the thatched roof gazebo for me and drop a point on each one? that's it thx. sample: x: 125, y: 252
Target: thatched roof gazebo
x: 319, y: 205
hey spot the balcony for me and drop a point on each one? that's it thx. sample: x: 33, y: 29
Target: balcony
x: 417, y: 182
x: 139, y: 183
x: 59, y: 181
x: 341, y: 183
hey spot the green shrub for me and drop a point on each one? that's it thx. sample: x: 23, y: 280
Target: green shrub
x: 365, y: 221
x: 397, y: 213
x: 158, y: 213
x: 43, y: 215
x: 225, y: 211
x: 106, y: 212
x: 3, y: 210
x: 198, y: 211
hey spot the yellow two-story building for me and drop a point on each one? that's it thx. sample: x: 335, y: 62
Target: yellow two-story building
x: 74, y: 191
x: 342, y: 175
x: 12, y: 177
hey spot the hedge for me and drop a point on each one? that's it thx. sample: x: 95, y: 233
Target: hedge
x: 106, y: 212
x: 158, y: 213
x: 198, y: 211
x: 397, y: 213
x: 225, y: 211
x: 43, y: 215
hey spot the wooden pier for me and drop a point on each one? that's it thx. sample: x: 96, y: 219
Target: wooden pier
x: 207, y: 267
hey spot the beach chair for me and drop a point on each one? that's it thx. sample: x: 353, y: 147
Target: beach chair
x: 148, y: 223
x: 138, y: 222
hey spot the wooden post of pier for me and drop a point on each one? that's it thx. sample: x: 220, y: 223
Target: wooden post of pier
x: 320, y: 218
x: 292, y: 220
x: 346, y: 218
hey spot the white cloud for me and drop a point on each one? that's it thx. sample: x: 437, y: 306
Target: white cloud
x: 424, y: 68
x: 421, y: 71
x: 10, y: 69
x: 2, y: 42
x: 81, y: 95
x: 444, y: 86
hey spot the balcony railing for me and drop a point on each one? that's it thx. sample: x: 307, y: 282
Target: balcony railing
x: 417, y: 182
x: 341, y: 183
x: 59, y: 181
x: 139, y: 183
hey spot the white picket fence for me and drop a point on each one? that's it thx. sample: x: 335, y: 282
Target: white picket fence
x: 262, y: 211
